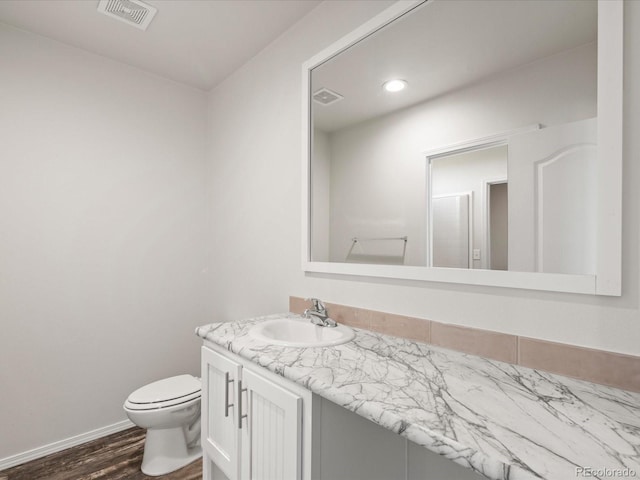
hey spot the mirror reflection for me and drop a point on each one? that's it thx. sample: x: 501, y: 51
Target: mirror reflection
x: 405, y: 177
x: 469, y: 209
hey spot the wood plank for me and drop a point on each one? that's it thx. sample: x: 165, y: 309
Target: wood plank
x: 114, y: 457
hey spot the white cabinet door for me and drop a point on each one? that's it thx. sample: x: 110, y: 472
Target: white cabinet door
x: 271, y: 421
x: 220, y: 438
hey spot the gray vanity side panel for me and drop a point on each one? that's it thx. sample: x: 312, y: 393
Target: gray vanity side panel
x: 353, y: 448
x: 423, y: 464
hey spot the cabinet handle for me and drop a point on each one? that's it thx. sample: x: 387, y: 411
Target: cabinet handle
x: 240, y: 415
x: 227, y: 381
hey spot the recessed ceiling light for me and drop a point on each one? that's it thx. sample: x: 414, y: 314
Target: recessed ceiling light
x: 394, y: 85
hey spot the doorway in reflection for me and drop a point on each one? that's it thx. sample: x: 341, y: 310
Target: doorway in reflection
x: 468, y: 208
x: 497, y: 226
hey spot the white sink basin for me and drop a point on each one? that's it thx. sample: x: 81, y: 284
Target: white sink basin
x: 300, y: 332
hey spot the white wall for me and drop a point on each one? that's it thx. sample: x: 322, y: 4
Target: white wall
x: 102, y: 237
x: 320, y: 196
x: 256, y: 173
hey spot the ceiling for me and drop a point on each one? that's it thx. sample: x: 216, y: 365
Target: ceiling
x: 444, y: 46
x: 195, y: 42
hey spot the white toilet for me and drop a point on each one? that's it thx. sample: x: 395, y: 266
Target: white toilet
x: 170, y: 411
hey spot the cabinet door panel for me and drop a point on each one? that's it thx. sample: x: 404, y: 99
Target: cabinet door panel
x: 220, y: 438
x: 271, y: 432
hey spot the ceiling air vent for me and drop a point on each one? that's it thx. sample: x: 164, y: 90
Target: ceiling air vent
x: 133, y: 12
x: 325, y: 97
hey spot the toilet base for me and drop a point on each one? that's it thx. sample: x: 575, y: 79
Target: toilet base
x: 165, y: 450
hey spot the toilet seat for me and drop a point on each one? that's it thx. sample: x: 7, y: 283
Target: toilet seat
x: 165, y: 393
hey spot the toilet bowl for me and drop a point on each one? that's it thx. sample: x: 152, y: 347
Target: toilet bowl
x: 170, y: 411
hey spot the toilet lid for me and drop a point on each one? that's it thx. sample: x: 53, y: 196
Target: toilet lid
x: 168, y: 391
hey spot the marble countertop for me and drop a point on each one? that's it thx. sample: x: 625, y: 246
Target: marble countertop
x: 504, y: 421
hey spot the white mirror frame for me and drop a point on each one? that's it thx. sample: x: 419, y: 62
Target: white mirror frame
x: 607, y: 280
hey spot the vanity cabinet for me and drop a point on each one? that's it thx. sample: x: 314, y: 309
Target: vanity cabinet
x: 258, y: 425
x: 252, y: 425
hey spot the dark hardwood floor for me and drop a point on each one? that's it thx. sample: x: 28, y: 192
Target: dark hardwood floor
x: 115, y: 457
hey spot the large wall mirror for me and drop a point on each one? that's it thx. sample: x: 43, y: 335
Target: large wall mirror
x: 471, y: 142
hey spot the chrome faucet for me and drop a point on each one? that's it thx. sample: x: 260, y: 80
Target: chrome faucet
x: 318, y: 314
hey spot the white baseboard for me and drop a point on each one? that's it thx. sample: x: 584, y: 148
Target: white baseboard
x: 60, y: 445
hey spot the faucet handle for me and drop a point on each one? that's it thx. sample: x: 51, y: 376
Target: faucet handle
x: 318, y: 306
